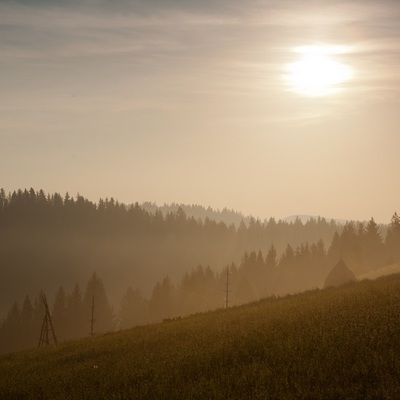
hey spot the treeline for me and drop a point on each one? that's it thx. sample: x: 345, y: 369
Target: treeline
x: 47, y: 240
x: 71, y: 314
x: 259, y: 274
x: 199, y: 212
x: 362, y: 246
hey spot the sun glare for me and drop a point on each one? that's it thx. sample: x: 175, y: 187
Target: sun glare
x: 318, y: 72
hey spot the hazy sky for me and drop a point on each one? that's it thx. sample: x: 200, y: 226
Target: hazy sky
x: 185, y: 101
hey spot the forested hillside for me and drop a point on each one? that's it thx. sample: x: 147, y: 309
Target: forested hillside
x: 145, y: 267
x: 199, y: 212
x: 49, y: 240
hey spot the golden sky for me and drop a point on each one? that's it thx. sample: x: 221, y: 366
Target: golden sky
x: 190, y: 102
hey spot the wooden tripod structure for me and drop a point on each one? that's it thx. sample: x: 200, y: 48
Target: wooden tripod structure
x: 46, y: 326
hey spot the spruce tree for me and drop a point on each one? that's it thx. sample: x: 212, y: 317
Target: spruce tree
x: 59, y: 314
x: 162, y: 301
x: 271, y: 260
x: 27, y: 325
x: 392, y: 242
x: 103, y: 312
x: 76, y: 319
x: 133, y: 309
x: 12, y: 329
x: 372, y: 245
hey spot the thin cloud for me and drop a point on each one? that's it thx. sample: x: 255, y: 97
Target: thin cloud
x: 237, y: 49
x: 65, y: 32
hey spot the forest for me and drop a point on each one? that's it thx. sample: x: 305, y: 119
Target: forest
x: 199, y: 212
x: 143, y: 267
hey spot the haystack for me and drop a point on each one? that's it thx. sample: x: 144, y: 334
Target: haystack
x: 339, y: 275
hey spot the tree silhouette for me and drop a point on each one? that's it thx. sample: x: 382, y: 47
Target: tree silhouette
x: 134, y: 309
x: 104, y: 314
x: 76, y: 317
x: 59, y: 313
x: 392, y: 242
x: 162, y: 301
x: 372, y: 245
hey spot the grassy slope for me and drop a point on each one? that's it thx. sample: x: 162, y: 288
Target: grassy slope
x: 331, y: 344
x: 378, y: 273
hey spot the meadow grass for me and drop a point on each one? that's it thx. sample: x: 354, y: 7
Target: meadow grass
x: 341, y: 343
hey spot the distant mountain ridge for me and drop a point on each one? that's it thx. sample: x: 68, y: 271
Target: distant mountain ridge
x: 228, y: 216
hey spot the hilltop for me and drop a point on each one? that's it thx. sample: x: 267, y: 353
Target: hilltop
x: 337, y: 343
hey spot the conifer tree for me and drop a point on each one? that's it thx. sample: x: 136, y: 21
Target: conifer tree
x: 103, y: 312
x: 12, y: 331
x: 162, y: 301
x: 271, y: 260
x: 351, y: 249
x: 76, y: 319
x: 372, y: 245
x: 335, y: 248
x: 2, y: 199
x: 133, y: 309
x: 260, y: 262
x: 392, y: 242
x: 38, y: 315
x: 318, y: 250
x: 59, y: 313
x: 287, y: 257
x: 27, y: 324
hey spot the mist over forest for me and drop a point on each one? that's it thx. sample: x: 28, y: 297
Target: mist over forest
x: 198, y: 212
x: 145, y: 263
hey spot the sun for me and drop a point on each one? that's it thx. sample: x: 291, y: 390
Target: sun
x: 318, y: 72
